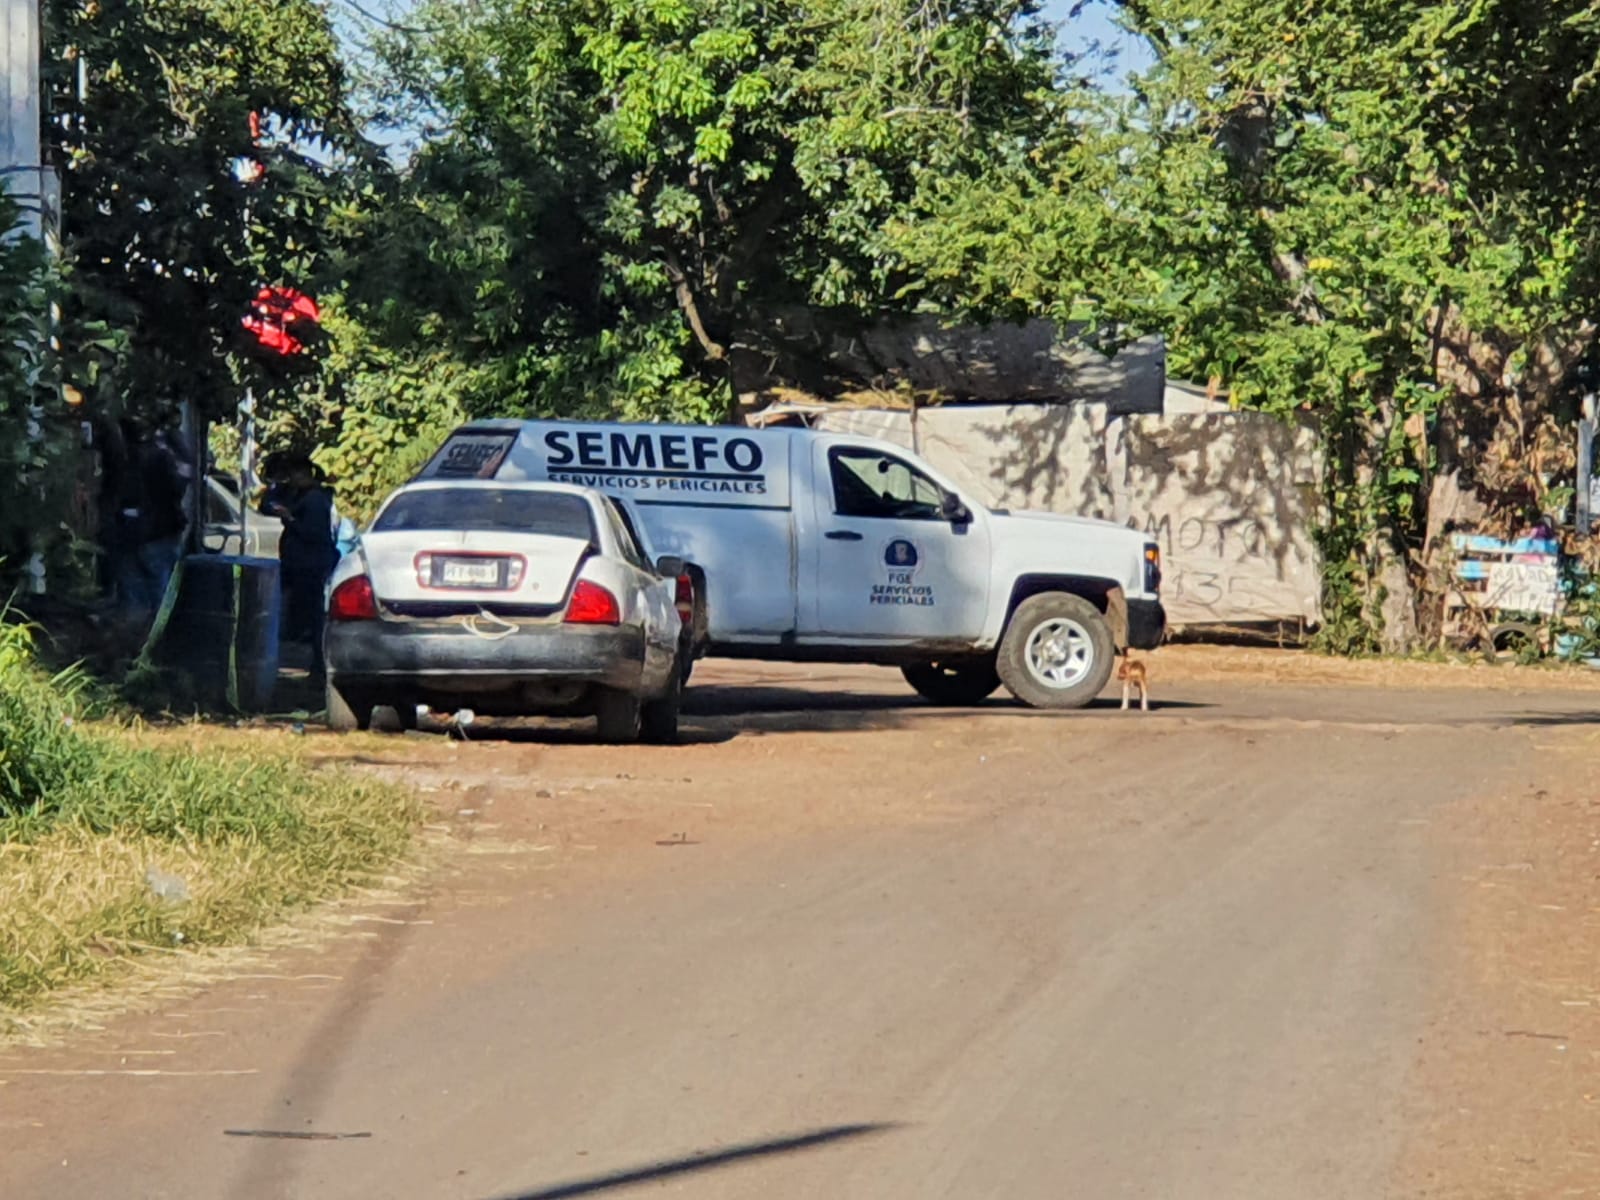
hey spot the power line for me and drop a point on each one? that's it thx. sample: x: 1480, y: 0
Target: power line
x: 389, y: 24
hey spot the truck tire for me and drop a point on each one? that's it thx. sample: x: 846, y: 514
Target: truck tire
x: 658, y: 719
x: 957, y: 683
x: 619, y: 716
x: 346, y: 711
x: 1057, y: 651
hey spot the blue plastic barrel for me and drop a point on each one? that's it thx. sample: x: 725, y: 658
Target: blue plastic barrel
x: 223, y: 631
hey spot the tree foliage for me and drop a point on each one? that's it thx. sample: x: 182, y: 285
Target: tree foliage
x: 150, y: 103
x: 35, y: 489
x: 1380, y: 212
x: 623, y: 190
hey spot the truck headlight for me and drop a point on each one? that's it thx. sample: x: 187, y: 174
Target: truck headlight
x: 1152, y: 567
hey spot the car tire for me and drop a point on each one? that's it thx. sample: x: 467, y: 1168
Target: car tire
x: 346, y: 710
x: 659, y: 717
x: 1057, y: 651
x: 405, y: 718
x: 619, y: 716
x: 956, y: 683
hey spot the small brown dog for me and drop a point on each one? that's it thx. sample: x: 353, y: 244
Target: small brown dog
x: 1132, y: 675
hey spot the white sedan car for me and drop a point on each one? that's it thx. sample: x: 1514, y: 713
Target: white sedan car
x: 509, y: 599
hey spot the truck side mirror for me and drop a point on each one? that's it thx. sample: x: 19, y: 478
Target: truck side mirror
x: 952, y: 510
x: 670, y: 566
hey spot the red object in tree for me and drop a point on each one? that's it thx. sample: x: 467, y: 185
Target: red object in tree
x: 274, y: 315
x: 250, y: 169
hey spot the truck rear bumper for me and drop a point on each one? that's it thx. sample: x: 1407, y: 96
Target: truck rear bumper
x: 1147, y: 624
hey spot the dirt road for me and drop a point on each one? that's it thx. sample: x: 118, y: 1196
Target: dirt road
x: 844, y: 945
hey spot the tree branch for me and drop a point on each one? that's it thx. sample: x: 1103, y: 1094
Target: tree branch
x: 714, y: 350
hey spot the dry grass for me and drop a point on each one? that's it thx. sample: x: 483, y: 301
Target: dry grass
x: 236, y: 835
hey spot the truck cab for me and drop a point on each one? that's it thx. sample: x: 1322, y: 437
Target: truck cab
x: 807, y: 546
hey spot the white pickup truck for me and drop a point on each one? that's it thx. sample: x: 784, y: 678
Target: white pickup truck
x: 807, y: 547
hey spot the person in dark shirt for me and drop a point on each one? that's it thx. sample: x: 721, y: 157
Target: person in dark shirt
x: 307, y: 552
x: 150, y: 516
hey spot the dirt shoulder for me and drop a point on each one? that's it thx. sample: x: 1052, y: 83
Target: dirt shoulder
x: 1506, y: 1099
x: 1267, y: 666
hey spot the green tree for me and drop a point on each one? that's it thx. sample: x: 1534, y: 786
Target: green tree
x: 622, y: 193
x: 34, y: 491
x: 1380, y: 212
x: 164, y: 247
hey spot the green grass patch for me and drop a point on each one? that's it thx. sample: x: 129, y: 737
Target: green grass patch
x: 92, y: 811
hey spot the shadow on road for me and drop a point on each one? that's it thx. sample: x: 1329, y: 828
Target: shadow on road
x: 580, y: 733
x: 714, y: 714
x: 708, y: 1161
x: 733, y: 701
x: 1552, y: 720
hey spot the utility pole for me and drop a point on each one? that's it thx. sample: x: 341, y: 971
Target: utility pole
x: 23, y: 173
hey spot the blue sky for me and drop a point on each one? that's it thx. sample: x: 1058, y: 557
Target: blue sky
x: 1095, y: 26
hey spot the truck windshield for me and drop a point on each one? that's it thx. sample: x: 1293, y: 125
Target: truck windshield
x: 489, y: 510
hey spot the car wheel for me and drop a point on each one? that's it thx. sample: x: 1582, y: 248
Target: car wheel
x: 1057, y: 651
x: 346, y: 710
x: 618, y: 715
x: 405, y: 717
x: 659, y: 717
x: 962, y: 682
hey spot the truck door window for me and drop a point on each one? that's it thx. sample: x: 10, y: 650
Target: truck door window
x: 867, y: 483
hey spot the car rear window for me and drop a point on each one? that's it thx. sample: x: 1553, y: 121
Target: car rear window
x: 489, y: 510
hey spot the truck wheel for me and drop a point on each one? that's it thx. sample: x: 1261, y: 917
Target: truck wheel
x: 619, y: 716
x: 346, y: 711
x: 658, y: 719
x: 1056, y: 652
x: 961, y: 682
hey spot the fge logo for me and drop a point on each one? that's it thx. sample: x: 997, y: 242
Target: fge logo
x: 901, y: 560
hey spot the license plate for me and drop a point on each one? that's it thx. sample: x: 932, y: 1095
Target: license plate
x: 470, y: 572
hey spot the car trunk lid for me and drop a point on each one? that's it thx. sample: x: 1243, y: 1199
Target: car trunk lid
x: 461, y: 570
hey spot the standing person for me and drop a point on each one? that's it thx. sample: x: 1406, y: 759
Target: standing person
x: 306, y: 552
x: 151, y: 520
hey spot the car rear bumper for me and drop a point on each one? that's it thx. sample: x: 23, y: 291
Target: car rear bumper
x: 1147, y: 624
x: 447, y: 656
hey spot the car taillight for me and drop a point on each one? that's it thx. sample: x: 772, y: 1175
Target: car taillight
x: 353, y: 600
x: 591, y: 604
x: 684, y: 598
x: 1152, y: 568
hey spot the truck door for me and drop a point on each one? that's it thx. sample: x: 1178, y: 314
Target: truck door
x: 888, y: 564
